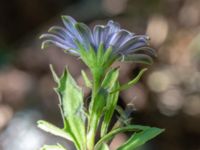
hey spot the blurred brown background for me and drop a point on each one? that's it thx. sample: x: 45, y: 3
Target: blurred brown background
x: 168, y: 95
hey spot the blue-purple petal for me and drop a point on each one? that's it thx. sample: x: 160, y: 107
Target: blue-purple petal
x: 68, y: 43
x: 133, y: 43
x: 69, y: 23
x: 123, y: 42
x: 86, y: 34
x: 114, y: 26
x: 118, y: 38
x: 98, y: 35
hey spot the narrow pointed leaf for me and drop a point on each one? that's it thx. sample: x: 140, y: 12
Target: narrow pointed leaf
x: 132, y: 82
x: 55, y: 77
x: 140, y: 138
x: 48, y: 127
x: 110, y: 83
x: 109, y: 110
x: 111, y: 134
x: 96, y: 113
x: 57, y: 80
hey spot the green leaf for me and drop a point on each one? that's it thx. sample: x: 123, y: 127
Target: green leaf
x: 110, y: 78
x: 71, y: 95
x: 48, y: 127
x: 86, y: 79
x: 57, y: 80
x: 71, y: 105
x: 140, y: 138
x: 110, y: 83
x: 132, y: 82
x: 109, y: 109
x: 114, y: 132
x: 94, y: 117
x: 53, y: 147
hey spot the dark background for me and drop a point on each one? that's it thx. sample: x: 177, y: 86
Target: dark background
x: 168, y: 96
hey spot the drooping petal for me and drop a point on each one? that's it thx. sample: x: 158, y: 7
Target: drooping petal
x: 69, y: 23
x: 46, y: 43
x: 59, y: 31
x: 118, y: 38
x: 106, y: 30
x: 133, y: 43
x: 139, y: 58
x: 98, y: 34
x: 85, y: 33
x: 55, y: 38
x: 114, y: 26
x: 144, y: 50
x: 62, y: 32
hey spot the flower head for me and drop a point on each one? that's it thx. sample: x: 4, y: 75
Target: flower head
x: 106, y: 42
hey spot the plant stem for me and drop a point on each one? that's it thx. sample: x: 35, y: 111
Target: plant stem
x: 93, y: 115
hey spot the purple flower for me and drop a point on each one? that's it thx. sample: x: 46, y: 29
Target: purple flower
x: 124, y: 44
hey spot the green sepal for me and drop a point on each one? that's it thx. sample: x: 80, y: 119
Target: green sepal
x: 53, y: 147
x: 100, y: 54
x: 109, y: 57
x: 93, y: 57
x: 140, y: 138
x: 86, y: 79
x: 107, y: 54
x: 132, y: 82
x: 84, y: 55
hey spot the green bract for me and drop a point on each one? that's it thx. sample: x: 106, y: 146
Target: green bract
x: 98, y: 49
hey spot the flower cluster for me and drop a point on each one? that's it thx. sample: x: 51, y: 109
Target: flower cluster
x: 124, y: 45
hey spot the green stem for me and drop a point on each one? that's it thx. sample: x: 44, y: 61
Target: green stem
x: 93, y: 116
x: 92, y: 132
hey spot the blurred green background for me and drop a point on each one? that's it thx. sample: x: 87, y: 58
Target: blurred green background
x: 168, y: 96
